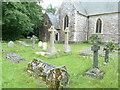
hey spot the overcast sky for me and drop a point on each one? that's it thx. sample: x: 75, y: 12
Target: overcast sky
x: 53, y: 2
x: 58, y: 2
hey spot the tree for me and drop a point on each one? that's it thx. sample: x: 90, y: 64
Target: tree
x: 50, y: 9
x: 20, y: 18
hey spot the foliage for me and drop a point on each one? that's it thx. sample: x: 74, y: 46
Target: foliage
x: 15, y: 76
x: 94, y: 38
x: 111, y: 45
x: 19, y: 18
x: 50, y: 9
x: 86, y: 41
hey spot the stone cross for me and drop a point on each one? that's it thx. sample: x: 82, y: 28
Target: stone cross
x: 33, y: 42
x: 95, y: 48
x: 106, y: 49
x: 66, y: 46
x: 52, y: 48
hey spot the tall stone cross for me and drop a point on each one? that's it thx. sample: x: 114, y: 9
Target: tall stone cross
x: 52, y: 48
x: 33, y: 42
x: 95, y: 48
x: 66, y: 46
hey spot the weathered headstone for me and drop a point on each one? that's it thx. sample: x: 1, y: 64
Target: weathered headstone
x: 66, y: 47
x: 33, y: 42
x: 44, y: 45
x: 54, y: 76
x: 14, y: 57
x: 95, y: 72
x: 11, y: 44
x: 107, y: 50
x: 40, y: 44
x: 52, y: 48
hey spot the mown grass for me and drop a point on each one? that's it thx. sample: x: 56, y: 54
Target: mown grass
x: 15, y: 75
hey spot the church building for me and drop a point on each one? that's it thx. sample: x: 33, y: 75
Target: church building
x: 85, y: 19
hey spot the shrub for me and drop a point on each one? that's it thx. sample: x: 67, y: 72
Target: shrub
x: 111, y: 45
x: 94, y: 38
x: 85, y: 42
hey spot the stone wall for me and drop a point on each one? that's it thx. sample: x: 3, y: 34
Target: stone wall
x: 81, y: 27
x: 44, y: 35
x: 80, y: 33
x: 67, y: 9
x: 109, y: 26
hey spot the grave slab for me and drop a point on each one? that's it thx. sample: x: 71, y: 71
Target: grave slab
x: 14, y: 57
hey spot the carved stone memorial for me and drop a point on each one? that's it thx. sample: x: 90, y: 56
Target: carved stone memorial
x: 107, y: 50
x: 66, y: 47
x: 52, y: 50
x: 95, y: 72
x: 33, y: 42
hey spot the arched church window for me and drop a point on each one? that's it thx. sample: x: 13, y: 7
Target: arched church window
x: 98, y: 26
x: 66, y: 22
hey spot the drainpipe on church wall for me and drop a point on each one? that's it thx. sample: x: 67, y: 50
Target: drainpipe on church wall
x: 87, y: 28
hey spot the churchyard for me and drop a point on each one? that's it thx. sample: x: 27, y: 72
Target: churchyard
x: 41, y: 50
x: 15, y: 75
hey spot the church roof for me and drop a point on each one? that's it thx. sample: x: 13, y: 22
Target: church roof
x: 54, y: 20
x: 94, y: 8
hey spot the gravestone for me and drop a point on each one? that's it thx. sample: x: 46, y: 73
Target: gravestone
x: 95, y: 72
x: 11, y: 44
x: 95, y: 49
x: 66, y: 47
x: 54, y: 76
x: 23, y: 43
x: 52, y: 50
x: 40, y: 44
x: 44, y: 46
x: 14, y: 57
x: 107, y: 50
x: 33, y: 42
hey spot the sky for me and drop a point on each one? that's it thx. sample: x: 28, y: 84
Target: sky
x: 57, y: 3
x: 53, y: 2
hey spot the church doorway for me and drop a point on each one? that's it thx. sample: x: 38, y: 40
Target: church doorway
x: 57, y: 36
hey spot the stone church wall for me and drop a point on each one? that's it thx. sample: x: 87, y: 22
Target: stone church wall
x: 80, y: 28
x: 67, y: 9
x: 78, y: 25
x: 109, y: 26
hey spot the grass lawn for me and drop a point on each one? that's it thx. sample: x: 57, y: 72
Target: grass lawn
x: 15, y: 75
